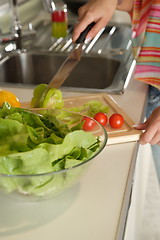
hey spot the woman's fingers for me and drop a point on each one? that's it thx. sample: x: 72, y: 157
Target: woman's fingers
x: 80, y: 27
x: 98, y: 11
x: 151, y: 129
x: 93, y: 32
x: 150, y: 135
x: 141, y: 126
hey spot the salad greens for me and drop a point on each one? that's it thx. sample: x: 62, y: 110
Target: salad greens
x: 32, y: 144
x: 90, y: 108
x: 53, y: 99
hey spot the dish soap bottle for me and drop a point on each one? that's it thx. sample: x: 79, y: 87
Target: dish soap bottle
x: 59, y: 21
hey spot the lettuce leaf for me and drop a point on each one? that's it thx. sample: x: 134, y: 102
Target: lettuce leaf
x: 35, y: 144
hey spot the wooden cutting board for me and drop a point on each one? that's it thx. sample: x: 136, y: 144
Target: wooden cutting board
x: 126, y: 133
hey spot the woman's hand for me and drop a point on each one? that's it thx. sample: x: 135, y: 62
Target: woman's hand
x: 151, y: 129
x: 98, y: 11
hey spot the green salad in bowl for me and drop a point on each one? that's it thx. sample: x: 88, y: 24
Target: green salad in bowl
x: 44, y: 151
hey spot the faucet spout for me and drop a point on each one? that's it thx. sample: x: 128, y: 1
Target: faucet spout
x: 17, y: 33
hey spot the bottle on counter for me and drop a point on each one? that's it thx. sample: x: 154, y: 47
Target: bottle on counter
x: 59, y: 21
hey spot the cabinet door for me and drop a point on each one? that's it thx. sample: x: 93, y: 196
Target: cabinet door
x: 135, y: 213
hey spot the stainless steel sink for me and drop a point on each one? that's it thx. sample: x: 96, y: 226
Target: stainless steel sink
x: 91, y: 74
x: 106, y: 64
x: 34, y: 68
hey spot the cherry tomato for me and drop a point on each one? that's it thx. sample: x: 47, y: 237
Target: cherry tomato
x: 101, y: 118
x: 88, y: 124
x: 116, y: 120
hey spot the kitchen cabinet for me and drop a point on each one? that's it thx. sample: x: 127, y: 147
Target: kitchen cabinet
x: 136, y: 211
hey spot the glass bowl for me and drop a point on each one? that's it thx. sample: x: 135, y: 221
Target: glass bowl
x: 52, y: 163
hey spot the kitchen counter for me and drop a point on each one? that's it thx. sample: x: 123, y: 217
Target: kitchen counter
x: 95, y: 208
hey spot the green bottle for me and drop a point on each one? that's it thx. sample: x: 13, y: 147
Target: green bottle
x: 59, y: 22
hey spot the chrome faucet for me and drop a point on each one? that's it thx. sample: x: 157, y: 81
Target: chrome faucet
x: 49, y: 5
x: 17, y: 33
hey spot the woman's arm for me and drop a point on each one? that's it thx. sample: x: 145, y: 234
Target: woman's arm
x: 99, y: 11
